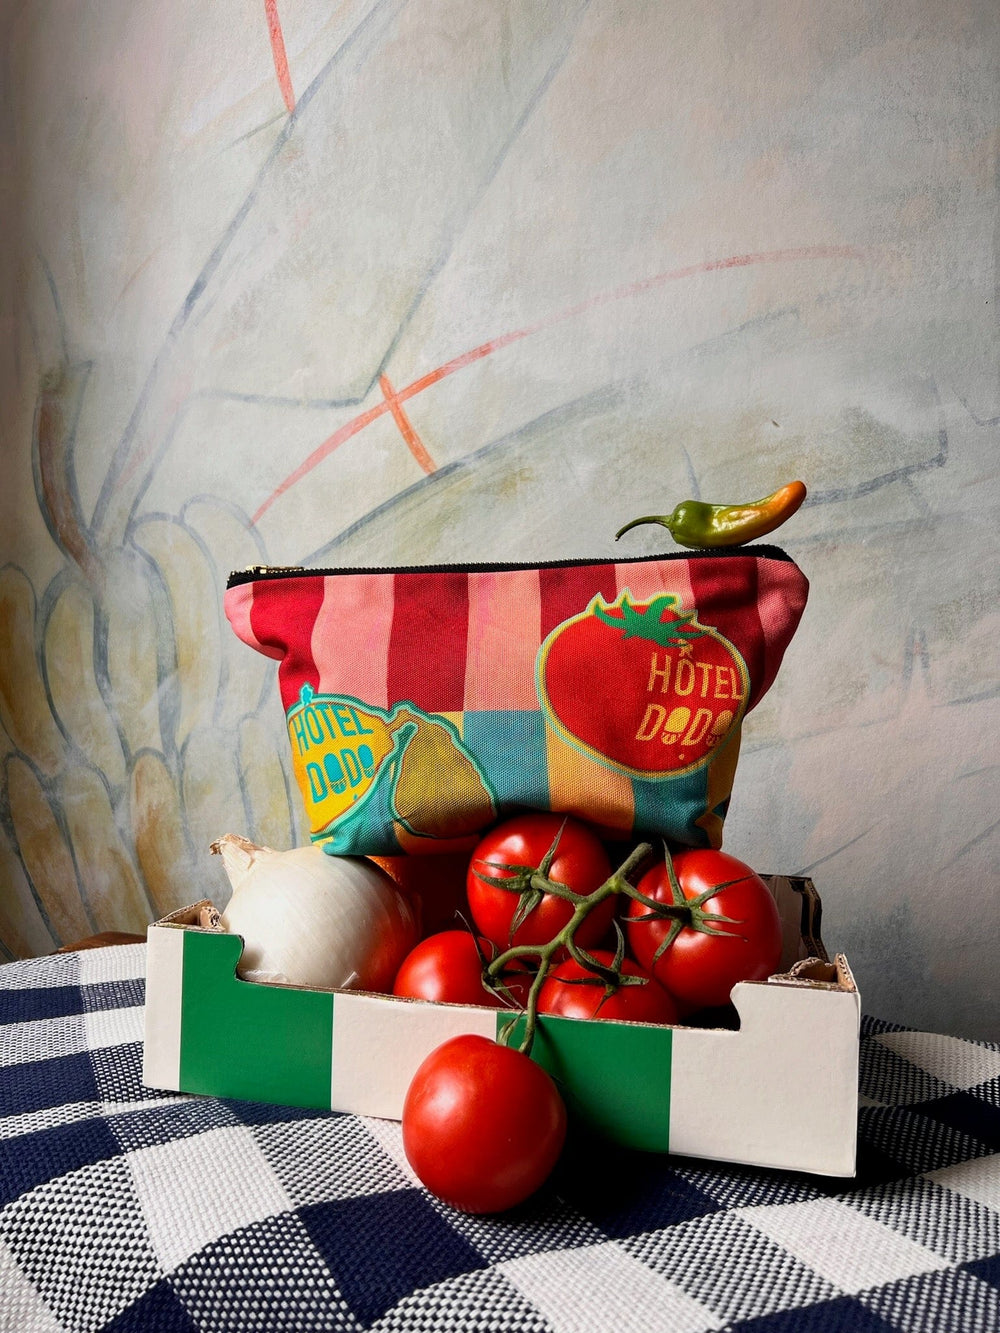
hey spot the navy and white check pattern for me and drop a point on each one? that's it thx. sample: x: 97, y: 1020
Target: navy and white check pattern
x: 124, y: 1209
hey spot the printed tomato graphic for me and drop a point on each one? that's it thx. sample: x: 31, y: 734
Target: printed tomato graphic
x: 641, y: 686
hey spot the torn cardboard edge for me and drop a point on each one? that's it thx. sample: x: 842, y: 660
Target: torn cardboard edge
x: 818, y: 973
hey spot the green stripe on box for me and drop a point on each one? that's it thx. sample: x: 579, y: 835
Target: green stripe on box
x: 247, y: 1041
x: 614, y: 1077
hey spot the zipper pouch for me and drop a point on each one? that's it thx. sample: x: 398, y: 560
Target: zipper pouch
x: 424, y: 704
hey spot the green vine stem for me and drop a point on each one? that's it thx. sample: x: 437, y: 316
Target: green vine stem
x: 532, y: 882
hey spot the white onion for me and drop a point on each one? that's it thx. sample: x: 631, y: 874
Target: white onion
x: 309, y: 919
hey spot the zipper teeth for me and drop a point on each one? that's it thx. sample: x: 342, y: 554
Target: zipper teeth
x: 272, y: 572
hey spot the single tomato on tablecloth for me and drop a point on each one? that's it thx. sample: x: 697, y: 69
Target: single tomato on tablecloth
x: 483, y: 1125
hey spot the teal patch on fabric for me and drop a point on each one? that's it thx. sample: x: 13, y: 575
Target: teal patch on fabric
x: 672, y: 803
x: 369, y: 824
x: 509, y: 746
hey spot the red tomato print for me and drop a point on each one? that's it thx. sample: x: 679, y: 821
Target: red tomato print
x: 642, y: 685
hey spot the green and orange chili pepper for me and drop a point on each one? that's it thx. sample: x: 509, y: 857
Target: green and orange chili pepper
x: 697, y: 524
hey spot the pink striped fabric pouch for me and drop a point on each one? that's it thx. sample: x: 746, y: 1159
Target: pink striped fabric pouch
x: 424, y: 704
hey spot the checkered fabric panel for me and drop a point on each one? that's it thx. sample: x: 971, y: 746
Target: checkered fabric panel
x: 125, y: 1209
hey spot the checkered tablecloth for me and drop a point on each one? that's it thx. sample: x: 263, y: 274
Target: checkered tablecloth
x: 123, y: 1209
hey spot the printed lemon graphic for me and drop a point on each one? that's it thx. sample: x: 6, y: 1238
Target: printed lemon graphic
x: 337, y: 747
x: 373, y: 780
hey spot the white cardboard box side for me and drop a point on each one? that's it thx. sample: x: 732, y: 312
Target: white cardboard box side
x: 781, y: 1091
x: 161, y: 1050
x: 403, y: 1032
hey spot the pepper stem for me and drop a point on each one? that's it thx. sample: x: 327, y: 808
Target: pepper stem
x: 665, y: 520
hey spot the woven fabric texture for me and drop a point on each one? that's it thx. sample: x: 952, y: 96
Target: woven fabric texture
x: 126, y: 1209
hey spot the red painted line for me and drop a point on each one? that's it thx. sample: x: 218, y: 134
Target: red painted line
x: 621, y: 293
x: 332, y: 442
x: 413, y: 440
x: 278, y: 51
x: 631, y: 289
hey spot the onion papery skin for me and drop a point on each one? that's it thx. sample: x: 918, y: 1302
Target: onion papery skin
x: 320, y: 921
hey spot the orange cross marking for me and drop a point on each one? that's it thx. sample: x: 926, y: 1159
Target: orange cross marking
x: 413, y: 440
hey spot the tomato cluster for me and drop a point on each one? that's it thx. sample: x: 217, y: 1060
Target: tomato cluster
x: 695, y: 966
x: 482, y: 1123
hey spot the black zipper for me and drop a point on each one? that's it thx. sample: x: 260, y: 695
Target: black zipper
x: 254, y: 573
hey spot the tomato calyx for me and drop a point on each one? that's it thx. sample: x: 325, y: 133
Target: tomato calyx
x: 687, y: 913
x: 644, y: 622
x: 532, y: 883
x: 611, y: 977
x: 494, y: 985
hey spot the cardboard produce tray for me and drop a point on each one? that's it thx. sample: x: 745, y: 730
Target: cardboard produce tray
x: 778, y: 1091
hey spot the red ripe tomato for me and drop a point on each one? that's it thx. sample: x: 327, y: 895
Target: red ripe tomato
x: 574, y: 992
x: 447, y: 968
x: 483, y: 1125
x: 700, y: 969
x: 580, y: 862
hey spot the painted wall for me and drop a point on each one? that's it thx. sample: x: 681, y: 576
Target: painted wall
x: 386, y: 282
